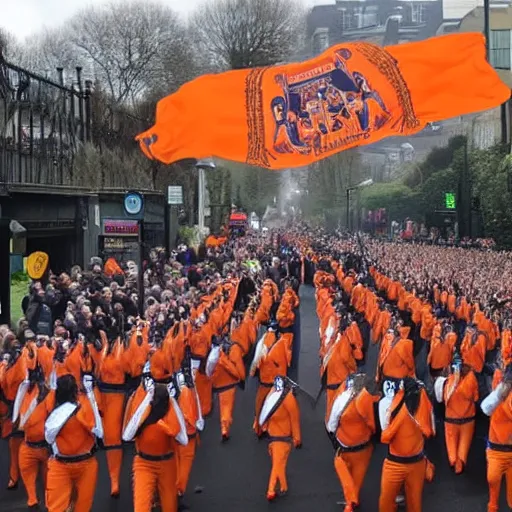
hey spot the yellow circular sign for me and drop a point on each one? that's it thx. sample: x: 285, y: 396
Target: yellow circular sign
x: 37, y: 265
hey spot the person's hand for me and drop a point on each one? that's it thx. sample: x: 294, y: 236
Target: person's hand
x: 297, y: 443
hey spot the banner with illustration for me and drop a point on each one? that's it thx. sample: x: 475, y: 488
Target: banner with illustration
x: 292, y: 115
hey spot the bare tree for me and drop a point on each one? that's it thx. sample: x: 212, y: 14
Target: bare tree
x: 239, y: 34
x: 47, y: 50
x: 132, y: 46
x: 9, y: 46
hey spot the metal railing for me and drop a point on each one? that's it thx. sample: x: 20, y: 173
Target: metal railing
x: 62, y: 136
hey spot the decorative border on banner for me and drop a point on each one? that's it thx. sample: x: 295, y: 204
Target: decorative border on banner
x: 388, y: 66
x: 257, y: 154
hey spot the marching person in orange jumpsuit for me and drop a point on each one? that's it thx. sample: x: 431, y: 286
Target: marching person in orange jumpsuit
x: 112, y: 391
x: 459, y: 392
x: 13, y: 371
x: 188, y: 400
x: 271, y: 358
x: 200, y: 342
x: 280, y: 420
x: 473, y: 348
x: 225, y: 366
x: 498, y: 405
x: 154, y: 420
x: 337, y: 364
x: 32, y: 406
x: 71, y: 430
x: 406, y: 420
x: 351, y: 425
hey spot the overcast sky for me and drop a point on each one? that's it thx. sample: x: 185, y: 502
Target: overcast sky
x: 25, y: 17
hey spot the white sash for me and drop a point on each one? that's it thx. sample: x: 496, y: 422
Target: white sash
x: 329, y: 331
x: 57, y: 419
x: 200, y: 419
x: 31, y: 408
x: 493, y: 400
x: 268, y: 406
x: 337, y: 409
x: 328, y: 356
x: 136, y: 420
x: 20, y: 395
x: 98, y: 427
x: 439, y: 388
x: 52, y: 381
x: 384, y: 406
x: 259, y: 353
x: 212, y: 361
x: 182, y: 436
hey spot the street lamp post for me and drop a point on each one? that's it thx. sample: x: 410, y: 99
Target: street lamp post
x: 365, y: 183
x: 202, y: 165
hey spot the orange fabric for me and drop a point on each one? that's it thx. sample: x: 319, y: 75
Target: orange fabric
x: 351, y: 469
x: 499, y: 464
x: 394, y: 477
x: 64, y: 478
x: 112, y: 268
x: 292, y: 115
x: 185, y: 459
x: 75, y: 437
x: 405, y: 434
x: 31, y: 460
x: 148, y: 477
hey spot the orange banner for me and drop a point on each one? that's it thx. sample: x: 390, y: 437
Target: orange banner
x: 353, y: 94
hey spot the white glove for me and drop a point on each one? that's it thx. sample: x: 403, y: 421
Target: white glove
x: 88, y: 380
x: 180, y: 379
x: 149, y: 385
x: 147, y: 368
x: 98, y: 432
x: 171, y: 390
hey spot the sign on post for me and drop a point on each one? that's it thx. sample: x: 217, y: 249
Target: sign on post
x: 174, y: 195
x: 449, y: 201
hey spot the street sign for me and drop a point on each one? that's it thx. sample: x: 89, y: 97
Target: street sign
x: 120, y: 227
x: 449, y: 201
x: 174, y: 195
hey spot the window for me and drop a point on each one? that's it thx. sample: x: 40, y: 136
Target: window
x: 499, y: 49
x: 320, y: 41
x: 418, y: 13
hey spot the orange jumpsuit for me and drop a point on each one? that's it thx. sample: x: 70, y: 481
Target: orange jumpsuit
x: 338, y: 363
x: 275, y: 362
x: 154, y: 465
x: 441, y: 351
x: 73, y: 465
x: 11, y: 376
x: 112, y: 392
x: 459, y: 393
x: 405, y: 463
x: 200, y: 341
x: 396, y: 357
x: 189, y: 405
x: 282, y: 425
x: 473, y: 350
x: 229, y: 372
x: 352, y: 421
x: 498, y: 405
x: 34, y: 451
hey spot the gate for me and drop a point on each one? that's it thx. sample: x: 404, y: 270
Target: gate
x: 42, y: 124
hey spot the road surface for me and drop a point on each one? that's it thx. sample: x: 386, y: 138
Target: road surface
x: 233, y: 476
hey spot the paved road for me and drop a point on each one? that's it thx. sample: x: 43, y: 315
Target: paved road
x: 233, y: 476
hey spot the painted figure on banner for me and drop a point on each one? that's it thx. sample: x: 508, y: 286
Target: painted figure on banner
x: 325, y: 106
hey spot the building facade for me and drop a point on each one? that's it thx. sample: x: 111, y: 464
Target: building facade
x: 383, y: 22
x: 500, y: 43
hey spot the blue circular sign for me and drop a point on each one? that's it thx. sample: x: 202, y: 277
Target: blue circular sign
x: 133, y: 203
